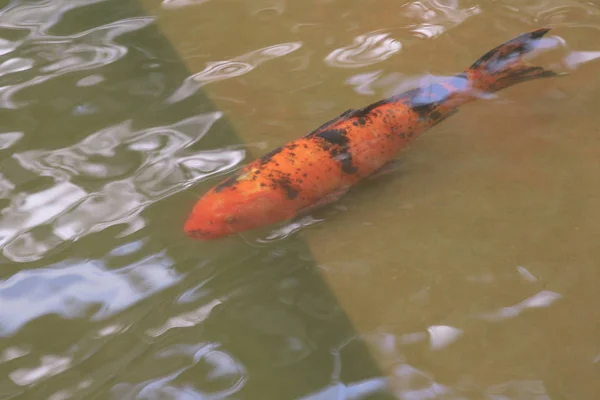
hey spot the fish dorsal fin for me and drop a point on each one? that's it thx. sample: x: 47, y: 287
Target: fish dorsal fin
x: 342, y: 117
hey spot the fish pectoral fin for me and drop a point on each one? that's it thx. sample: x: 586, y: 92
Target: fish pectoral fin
x: 328, y: 199
x: 391, y: 166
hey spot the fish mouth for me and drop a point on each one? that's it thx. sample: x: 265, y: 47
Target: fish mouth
x: 191, y: 230
x: 201, y: 234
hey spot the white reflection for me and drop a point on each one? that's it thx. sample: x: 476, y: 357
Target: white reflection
x: 6, y: 187
x: 362, y: 82
x: 12, y: 353
x: 187, y: 319
x: 217, y: 71
x: 170, y: 4
x: 127, y: 249
x: 26, y: 247
x: 226, y: 374
x: 441, y: 336
x: 437, y: 16
x: 412, y: 384
x: 29, y: 210
x: 40, y: 16
x: 90, y: 80
x: 542, y: 299
x: 576, y: 58
x: 367, y: 49
x: 16, y: 64
x: 72, y: 290
x: 524, y: 272
x: 109, y: 207
x: 533, y: 389
x: 286, y: 230
x: 49, y: 366
x: 68, y: 393
x: 9, y: 138
x: 163, y: 168
x: 6, y: 46
x: 353, y: 391
x: 63, y: 54
x: 110, y: 330
x: 553, y: 12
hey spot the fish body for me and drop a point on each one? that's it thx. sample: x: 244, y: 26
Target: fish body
x: 322, y: 165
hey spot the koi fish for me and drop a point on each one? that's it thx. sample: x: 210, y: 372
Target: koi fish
x: 319, y: 167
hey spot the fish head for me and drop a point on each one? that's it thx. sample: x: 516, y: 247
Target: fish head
x: 220, y: 213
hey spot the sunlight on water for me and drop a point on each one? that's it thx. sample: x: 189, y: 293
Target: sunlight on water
x: 470, y: 272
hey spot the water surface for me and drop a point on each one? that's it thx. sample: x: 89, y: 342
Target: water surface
x: 469, y: 273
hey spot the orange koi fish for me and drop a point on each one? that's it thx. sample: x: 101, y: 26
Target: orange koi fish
x: 321, y: 166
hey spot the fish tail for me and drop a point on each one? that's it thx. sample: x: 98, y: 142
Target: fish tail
x: 504, y: 65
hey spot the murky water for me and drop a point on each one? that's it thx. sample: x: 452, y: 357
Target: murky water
x: 469, y: 273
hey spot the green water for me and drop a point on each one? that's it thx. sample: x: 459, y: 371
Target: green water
x: 470, y: 273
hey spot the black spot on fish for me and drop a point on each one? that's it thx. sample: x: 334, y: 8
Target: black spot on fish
x: 229, y: 182
x: 424, y: 110
x: 335, y: 141
x: 345, y: 161
x: 334, y: 136
x: 267, y: 157
x: 342, y: 117
x: 365, y: 111
x: 285, y: 183
x: 435, y: 115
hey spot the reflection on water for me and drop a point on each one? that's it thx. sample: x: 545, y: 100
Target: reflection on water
x: 241, y: 65
x: 434, y: 17
x: 367, y: 50
x: 162, y: 167
x: 470, y: 273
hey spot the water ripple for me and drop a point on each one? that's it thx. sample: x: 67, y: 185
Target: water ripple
x: 55, y: 56
x: 72, y: 290
x: 221, y: 375
x: 9, y: 138
x: 367, y: 49
x: 173, y: 4
x: 38, y: 17
x: 434, y: 17
x: 151, y: 316
x: 555, y: 12
x: 74, y: 210
x: 217, y: 71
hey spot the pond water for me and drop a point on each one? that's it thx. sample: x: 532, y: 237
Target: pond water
x: 470, y: 272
